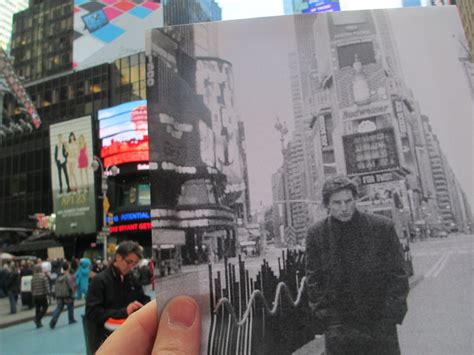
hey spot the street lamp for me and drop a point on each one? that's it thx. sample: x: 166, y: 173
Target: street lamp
x: 97, y: 164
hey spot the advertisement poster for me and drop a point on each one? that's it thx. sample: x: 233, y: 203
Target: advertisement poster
x: 106, y: 30
x: 72, y: 177
x: 248, y: 118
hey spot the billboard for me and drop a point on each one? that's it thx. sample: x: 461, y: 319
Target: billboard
x: 372, y: 151
x: 106, y: 30
x: 72, y: 178
x: 322, y: 6
x: 123, y: 131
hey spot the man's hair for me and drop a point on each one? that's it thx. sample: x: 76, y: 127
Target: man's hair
x: 337, y: 184
x: 128, y: 247
x: 66, y: 266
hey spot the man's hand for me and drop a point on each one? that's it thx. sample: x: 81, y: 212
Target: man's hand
x: 134, y: 306
x: 178, y: 332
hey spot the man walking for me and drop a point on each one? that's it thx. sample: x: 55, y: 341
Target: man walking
x: 114, y: 293
x: 39, y: 291
x: 357, y: 283
x: 64, y: 291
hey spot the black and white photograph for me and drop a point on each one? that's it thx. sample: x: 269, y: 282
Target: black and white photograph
x: 305, y: 159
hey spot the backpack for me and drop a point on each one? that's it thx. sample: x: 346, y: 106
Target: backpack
x: 61, y: 287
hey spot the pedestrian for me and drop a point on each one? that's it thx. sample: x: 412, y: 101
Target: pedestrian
x: 145, y: 275
x: 26, y: 274
x: 64, y: 290
x: 13, y: 287
x: 357, y: 283
x: 39, y: 291
x: 3, y: 280
x: 82, y: 277
x: 114, y: 293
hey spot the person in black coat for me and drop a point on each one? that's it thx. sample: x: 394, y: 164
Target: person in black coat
x: 114, y: 293
x: 357, y: 282
x: 13, y: 287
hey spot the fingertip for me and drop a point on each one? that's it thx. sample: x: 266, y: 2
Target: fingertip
x: 179, y: 330
x: 136, y: 335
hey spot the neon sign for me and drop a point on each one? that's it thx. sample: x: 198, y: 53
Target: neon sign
x: 123, y: 130
x: 144, y: 226
x: 129, y: 216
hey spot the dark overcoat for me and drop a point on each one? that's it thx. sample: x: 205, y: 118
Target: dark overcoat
x: 357, y: 283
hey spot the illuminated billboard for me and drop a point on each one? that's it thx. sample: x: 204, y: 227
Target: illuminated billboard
x: 123, y: 131
x: 106, y: 30
x: 322, y: 6
x: 72, y: 178
x: 372, y: 151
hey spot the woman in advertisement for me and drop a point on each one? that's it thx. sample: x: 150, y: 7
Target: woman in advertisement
x: 72, y: 151
x: 83, y: 162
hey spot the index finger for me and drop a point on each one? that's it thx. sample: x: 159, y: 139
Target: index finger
x: 136, y: 335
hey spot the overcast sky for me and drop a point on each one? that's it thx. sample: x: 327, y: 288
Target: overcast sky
x: 428, y: 45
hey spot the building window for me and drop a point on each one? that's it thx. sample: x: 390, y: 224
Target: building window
x: 364, y: 51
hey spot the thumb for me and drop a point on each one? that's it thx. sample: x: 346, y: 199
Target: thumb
x: 179, y: 331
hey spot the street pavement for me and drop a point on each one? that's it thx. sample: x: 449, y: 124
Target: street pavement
x: 440, y: 318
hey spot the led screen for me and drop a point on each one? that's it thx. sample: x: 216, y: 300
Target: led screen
x: 123, y: 131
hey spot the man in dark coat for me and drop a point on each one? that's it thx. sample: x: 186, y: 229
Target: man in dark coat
x: 357, y: 283
x: 114, y: 293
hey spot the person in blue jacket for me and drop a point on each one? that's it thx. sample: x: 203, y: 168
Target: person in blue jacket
x: 82, y: 277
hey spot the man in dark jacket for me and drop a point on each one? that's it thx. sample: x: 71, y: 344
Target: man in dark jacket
x: 114, y: 293
x: 357, y: 283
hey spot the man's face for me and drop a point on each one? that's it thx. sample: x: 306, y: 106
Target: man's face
x: 126, y: 264
x: 342, y: 205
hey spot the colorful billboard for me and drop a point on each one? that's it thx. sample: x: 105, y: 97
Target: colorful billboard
x: 123, y: 130
x: 72, y: 178
x: 106, y: 30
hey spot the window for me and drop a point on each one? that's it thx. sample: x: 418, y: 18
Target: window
x: 134, y: 195
x: 364, y: 51
x: 197, y: 191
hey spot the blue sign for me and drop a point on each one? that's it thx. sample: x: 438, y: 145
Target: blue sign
x: 408, y: 3
x: 323, y: 6
x: 129, y: 216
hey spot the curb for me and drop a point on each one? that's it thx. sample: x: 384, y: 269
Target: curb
x: 29, y: 318
x: 415, y: 280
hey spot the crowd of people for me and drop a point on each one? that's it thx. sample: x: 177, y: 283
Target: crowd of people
x: 37, y: 283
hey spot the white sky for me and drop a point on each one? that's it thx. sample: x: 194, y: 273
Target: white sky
x: 239, y: 9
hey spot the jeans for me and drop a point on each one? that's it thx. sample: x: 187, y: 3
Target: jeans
x: 69, y: 302
x: 13, y: 298
x: 41, y: 304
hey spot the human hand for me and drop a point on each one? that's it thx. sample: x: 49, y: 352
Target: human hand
x: 134, y: 306
x: 178, y: 332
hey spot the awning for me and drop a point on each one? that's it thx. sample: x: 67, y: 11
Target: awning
x: 248, y: 244
x: 32, y: 246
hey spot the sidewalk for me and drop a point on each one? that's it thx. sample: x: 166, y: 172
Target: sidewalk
x: 23, y: 313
